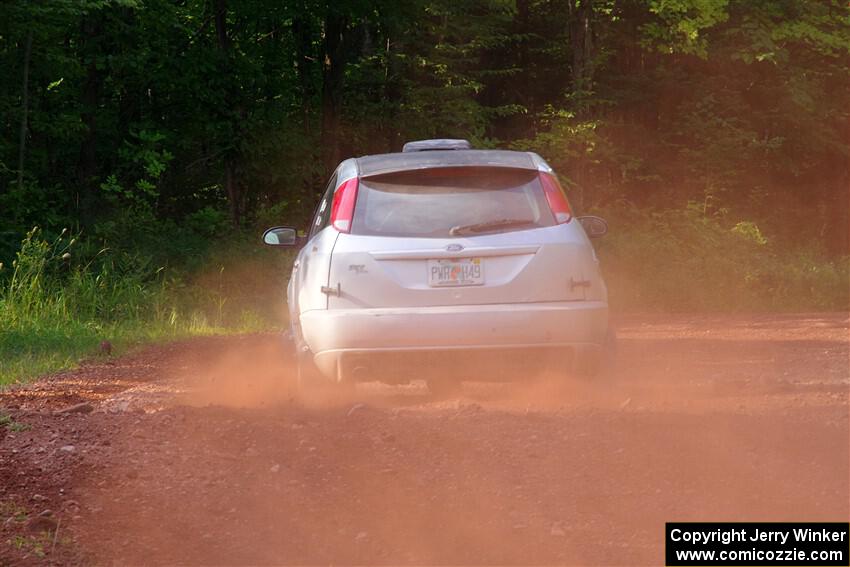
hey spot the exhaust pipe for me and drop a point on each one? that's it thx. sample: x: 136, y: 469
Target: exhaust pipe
x: 359, y: 372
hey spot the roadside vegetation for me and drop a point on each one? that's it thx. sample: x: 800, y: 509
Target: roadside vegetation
x: 62, y: 298
x: 700, y: 260
x: 160, y: 138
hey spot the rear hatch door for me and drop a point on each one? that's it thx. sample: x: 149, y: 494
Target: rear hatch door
x: 456, y: 236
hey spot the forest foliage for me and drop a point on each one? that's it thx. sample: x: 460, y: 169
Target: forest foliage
x: 713, y: 134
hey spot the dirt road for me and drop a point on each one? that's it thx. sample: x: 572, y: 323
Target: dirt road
x: 200, y: 453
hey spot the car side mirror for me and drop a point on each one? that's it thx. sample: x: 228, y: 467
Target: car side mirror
x: 285, y: 236
x: 595, y: 227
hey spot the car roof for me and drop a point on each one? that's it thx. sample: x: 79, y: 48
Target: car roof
x: 390, y: 163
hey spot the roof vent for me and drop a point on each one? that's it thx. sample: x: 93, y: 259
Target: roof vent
x: 431, y: 145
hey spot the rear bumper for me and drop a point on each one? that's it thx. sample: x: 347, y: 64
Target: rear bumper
x: 342, y: 339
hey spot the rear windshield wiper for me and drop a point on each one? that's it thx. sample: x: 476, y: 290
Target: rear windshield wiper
x: 490, y: 225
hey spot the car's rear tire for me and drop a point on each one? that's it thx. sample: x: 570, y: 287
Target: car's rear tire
x: 308, y: 379
x: 598, y: 364
x: 312, y: 383
x: 307, y: 375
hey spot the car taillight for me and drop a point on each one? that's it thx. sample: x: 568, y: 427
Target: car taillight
x: 342, y: 209
x: 556, y: 198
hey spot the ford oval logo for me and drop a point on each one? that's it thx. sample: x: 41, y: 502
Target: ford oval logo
x: 454, y: 247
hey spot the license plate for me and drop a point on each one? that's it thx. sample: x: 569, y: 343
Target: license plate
x: 455, y: 272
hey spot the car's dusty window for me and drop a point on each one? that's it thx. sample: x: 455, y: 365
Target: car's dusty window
x: 433, y: 202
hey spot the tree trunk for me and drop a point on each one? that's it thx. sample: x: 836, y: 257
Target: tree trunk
x: 24, y: 108
x: 231, y: 184
x: 221, y: 25
x: 233, y: 197
x: 90, y: 96
x: 332, y: 75
x: 393, y: 95
x: 581, y: 43
x: 519, y: 125
x: 303, y: 33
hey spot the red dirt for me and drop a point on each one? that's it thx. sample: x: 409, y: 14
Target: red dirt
x: 200, y: 453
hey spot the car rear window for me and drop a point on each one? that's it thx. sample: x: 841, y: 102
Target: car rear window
x: 430, y: 203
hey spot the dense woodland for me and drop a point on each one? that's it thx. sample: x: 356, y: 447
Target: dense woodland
x: 162, y: 134
x: 123, y: 108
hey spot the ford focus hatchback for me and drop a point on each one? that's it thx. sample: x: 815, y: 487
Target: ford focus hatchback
x: 444, y: 263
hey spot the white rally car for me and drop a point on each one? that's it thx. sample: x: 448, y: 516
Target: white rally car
x: 445, y: 263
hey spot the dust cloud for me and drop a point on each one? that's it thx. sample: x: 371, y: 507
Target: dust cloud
x: 249, y: 372
x: 713, y: 418
x: 259, y: 372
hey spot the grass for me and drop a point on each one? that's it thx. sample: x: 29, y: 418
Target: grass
x: 61, y: 298
x: 684, y: 260
x: 37, y: 545
x: 47, y: 346
x: 12, y: 512
x: 55, y: 310
x: 9, y: 423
